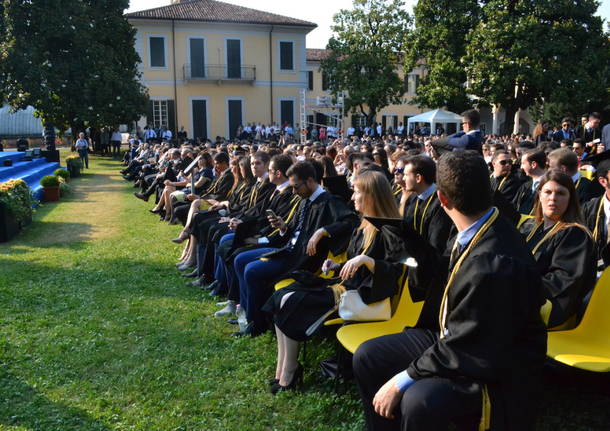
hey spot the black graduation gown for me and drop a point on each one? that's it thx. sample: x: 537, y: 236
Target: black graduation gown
x: 329, y: 212
x: 587, y: 189
x: 432, y: 223
x: 525, y: 198
x: 595, y: 219
x: 220, y: 187
x: 507, y: 186
x: 312, y: 298
x: 567, y: 265
x: 495, y: 334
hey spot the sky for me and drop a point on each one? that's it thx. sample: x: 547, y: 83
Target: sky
x: 318, y: 11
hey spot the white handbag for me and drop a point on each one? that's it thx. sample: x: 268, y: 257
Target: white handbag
x: 352, y: 308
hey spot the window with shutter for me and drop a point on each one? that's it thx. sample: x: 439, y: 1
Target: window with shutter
x: 286, y: 56
x: 157, y: 51
x: 310, y: 80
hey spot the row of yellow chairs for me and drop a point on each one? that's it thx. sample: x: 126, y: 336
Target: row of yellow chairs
x: 586, y: 347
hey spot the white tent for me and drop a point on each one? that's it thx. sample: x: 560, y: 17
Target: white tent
x: 436, y: 117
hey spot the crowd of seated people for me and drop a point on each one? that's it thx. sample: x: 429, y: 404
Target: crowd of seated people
x: 508, y: 237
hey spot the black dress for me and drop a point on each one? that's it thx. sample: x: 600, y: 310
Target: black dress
x: 312, y: 297
x: 566, y: 259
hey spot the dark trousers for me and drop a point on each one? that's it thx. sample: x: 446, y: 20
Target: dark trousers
x: 428, y: 404
x: 256, y: 280
x: 84, y: 156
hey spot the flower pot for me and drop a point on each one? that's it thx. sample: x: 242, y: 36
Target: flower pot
x: 51, y: 194
x: 9, y: 227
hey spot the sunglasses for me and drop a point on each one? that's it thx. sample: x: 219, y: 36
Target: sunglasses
x: 296, y: 186
x: 505, y: 162
x: 398, y: 171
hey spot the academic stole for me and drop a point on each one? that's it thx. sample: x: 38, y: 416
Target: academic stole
x: 486, y: 402
x: 421, y: 221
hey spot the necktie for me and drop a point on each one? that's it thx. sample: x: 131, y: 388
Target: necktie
x: 455, y: 254
x: 300, y: 224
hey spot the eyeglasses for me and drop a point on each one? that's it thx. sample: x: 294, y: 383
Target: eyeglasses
x: 505, y: 162
x: 399, y: 171
x: 297, y: 186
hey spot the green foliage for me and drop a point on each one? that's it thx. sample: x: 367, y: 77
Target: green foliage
x: 64, y: 189
x: 539, y: 51
x: 73, y: 60
x: 438, y: 43
x: 17, y: 197
x: 62, y: 173
x: 49, y: 181
x: 366, y: 51
x: 74, y: 161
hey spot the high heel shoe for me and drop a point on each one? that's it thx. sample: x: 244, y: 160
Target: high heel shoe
x: 297, y: 379
x: 272, y: 382
x: 154, y: 211
x: 184, y: 235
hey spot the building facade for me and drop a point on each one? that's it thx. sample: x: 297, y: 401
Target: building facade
x: 210, y: 66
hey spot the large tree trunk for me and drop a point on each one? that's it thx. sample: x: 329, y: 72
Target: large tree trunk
x: 509, y: 119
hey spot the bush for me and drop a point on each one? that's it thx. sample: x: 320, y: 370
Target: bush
x: 49, y: 181
x: 64, y: 189
x: 74, y: 161
x: 62, y: 173
x: 17, y: 197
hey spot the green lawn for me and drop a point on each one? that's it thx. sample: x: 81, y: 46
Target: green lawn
x: 98, y: 332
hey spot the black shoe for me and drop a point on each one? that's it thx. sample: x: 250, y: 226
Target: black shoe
x: 153, y: 211
x: 141, y: 196
x: 211, y: 286
x: 251, y: 330
x: 297, y: 379
x: 272, y: 382
x: 190, y: 274
x: 195, y: 283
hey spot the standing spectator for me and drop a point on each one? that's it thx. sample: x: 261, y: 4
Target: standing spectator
x: 182, y: 135
x: 149, y: 134
x: 82, y: 147
x: 115, y: 141
x: 166, y: 134
x: 541, y: 132
x: 606, y: 137
x: 591, y: 130
x: 566, y: 131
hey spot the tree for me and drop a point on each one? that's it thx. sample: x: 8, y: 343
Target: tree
x: 438, y: 44
x: 365, y: 55
x: 524, y: 52
x: 74, y: 61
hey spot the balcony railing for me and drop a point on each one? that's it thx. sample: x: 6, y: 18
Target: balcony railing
x: 219, y: 72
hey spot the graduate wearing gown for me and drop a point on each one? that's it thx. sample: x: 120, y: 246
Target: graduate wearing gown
x: 563, y: 249
x: 479, y: 344
x: 303, y: 303
x: 503, y: 180
x: 596, y: 213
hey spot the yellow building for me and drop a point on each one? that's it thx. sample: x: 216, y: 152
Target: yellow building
x: 319, y: 106
x: 211, y: 66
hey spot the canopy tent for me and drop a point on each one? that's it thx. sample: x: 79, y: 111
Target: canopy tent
x: 436, y: 117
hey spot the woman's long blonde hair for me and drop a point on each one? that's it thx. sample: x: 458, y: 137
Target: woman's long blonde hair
x: 379, y: 202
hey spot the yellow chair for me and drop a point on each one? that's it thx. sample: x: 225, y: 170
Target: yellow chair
x: 406, y: 314
x: 587, y: 346
x: 342, y: 258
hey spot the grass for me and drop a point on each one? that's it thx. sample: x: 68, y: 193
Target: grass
x: 97, y: 332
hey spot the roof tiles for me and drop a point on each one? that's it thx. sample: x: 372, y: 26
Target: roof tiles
x: 216, y: 11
